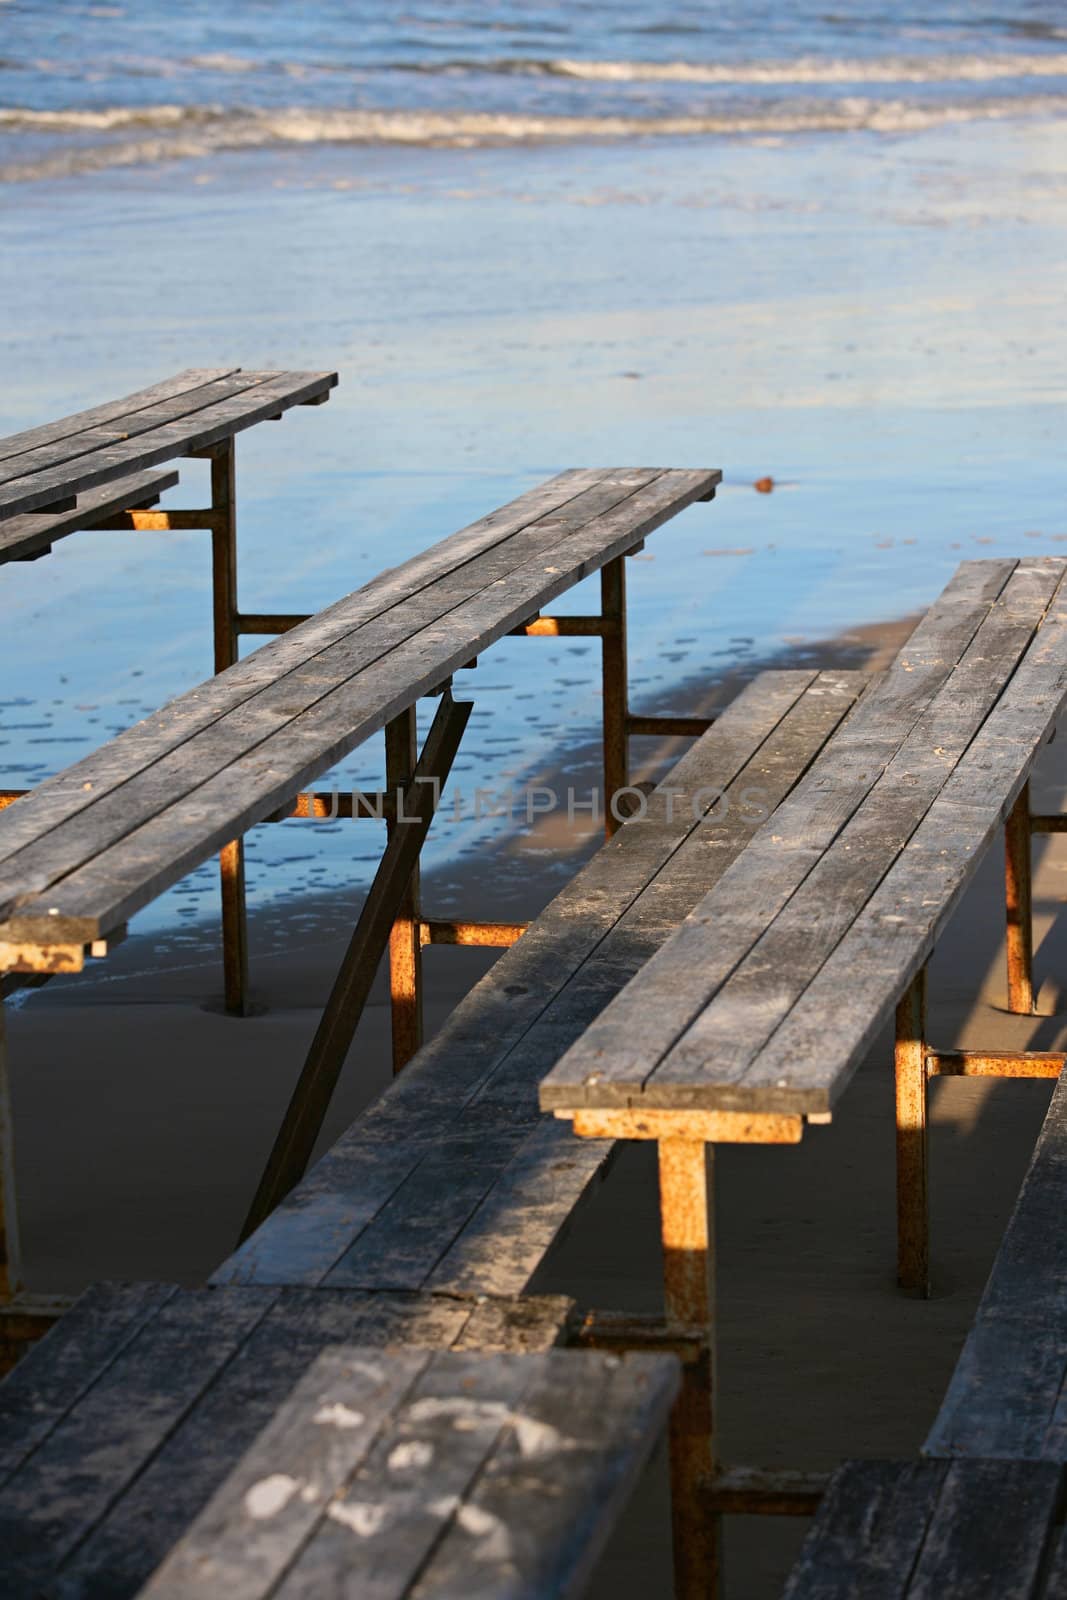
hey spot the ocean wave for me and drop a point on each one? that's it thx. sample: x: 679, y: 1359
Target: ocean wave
x: 183, y: 133
x: 805, y: 70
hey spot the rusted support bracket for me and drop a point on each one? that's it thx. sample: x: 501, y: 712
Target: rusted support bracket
x: 151, y: 520
x: 9, y: 796
x: 913, y: 1223
x: 753, y: 1492
x: 268, y: 622
x: 370, y: 939
x: 358, y: 805
x: 995, y: 1063
x: 1057, y: 823
x: 1020, y: 923
x: 490, y: 935
x: 561, y: 627
x: 669, y: 727
x: 626, y: 1331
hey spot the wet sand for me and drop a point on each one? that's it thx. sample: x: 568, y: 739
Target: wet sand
x: 143, y: 1116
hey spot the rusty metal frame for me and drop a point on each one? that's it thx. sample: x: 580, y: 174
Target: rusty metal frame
x: 387, y: 908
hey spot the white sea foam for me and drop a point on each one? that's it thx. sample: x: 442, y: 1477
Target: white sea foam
x: 184, y: 132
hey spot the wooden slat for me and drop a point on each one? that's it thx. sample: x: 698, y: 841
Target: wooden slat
x: 925, y: 1530
x: 36, y: 490
x: 444, y: 1180
x: 56, y: 1371
x: 617, y: 1061
x: 63, y: 427
x: 116, y: 882
x: 896, y: 931
x: 68, y: 1483
x: 728, y: 1034
x: 491, y: 1475
x: 1006, y: 1397
x: 24, y: 537
x: 83, y: 784
x: 121, y: 1491
x: 68, y: 452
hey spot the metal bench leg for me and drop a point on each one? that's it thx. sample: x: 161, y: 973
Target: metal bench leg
x: 333, y: 1038
x: 10, y: 1257
x: 686, y: 1183
x: 1020, y: 932
x: 224, y: 593
x: 405, y: 940
x: 913, y: 1223
x: 616, y: 756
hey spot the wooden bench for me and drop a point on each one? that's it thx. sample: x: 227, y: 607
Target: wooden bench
x: 896, y: 1530
x: 120, y: 1424
x: 103, y: 838
x: 750, y: 1020
x: 416, y: 1474
x: 1006, y: 1398
x: 92, y: 470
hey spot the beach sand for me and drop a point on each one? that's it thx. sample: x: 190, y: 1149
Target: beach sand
x: 144, y: 1114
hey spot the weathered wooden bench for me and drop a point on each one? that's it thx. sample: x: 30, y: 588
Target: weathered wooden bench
x: 417, y: 1474
x: 120, y: 1424
x: 1006, y: 1398
x: 750, y: 1020
x: 453, y: 1181
x: 92, y: 470
x: 104, y: 837
x: 920, y: 1530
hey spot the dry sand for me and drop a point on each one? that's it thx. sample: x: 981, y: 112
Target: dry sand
x: 143, y: 1116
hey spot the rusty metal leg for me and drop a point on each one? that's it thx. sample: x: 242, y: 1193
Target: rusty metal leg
x: 616, y: 759
x: 686, y: 1175
x: 913, y: 1222
x: 10, y: 1258
x: 1020, y: 915
x: 405, y: 941
x: 333, y: 1038
x: 224, y: 597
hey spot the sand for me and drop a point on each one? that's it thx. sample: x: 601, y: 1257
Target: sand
x: 143, y: 1115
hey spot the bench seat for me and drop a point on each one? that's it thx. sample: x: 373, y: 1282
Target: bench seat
x: 1008, y: 1394
x: 28, y: 537
x: 920, y: 1530
x: 453, y: 1180
x: 118, y: 1426
x: 430, y: 1474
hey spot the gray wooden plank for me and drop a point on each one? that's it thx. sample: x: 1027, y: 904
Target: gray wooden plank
x: 67, y: 452
x: 919, y: 1531
x: 556, y: 1483
x: 279, y: 703
x: 168, y: 1487
x: 119, y: 880
x: 256, y: 1523
x: 541, y: 1450
x: 992, y: 1531
x: 59, y: 1369
x: 616, y: 1059
x: 67, y: 1484
x: 354, y: 1183
x: 1005, y: 1396
x: 23, y: 537
x: 516, y: 1323
x: 729, y: 1032
x: 805, y: 1065
x: 35, y: 490
x: 868, y: 1533
x: 31, y: 438
x: 123, y: 757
